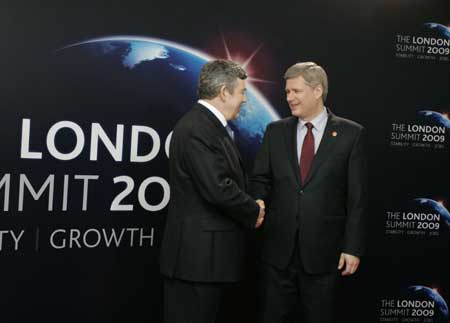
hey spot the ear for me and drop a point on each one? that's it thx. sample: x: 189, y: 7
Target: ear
x: 223, y: 93
x: 318, y: 91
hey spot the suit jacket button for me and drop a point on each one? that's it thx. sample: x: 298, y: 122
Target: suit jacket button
x: 301, y: 192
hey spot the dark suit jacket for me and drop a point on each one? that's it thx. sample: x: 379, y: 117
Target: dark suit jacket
x: 208, y: 209
x: 329, y: 209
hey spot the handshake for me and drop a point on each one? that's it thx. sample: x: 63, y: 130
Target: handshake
x: 262, y: 213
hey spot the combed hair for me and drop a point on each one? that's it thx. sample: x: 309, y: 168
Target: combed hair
x: 312, y: 73
x: 216, y: 74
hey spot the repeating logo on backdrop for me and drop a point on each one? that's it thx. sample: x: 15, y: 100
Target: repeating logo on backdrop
x: 431, y: 42
x: 427, y: 129
x: 419, y: 217
x: 416, y: 303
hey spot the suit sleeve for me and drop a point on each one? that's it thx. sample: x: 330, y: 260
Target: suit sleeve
x: 206, y: 163
x: 261, y: 178
x: 357, y: 198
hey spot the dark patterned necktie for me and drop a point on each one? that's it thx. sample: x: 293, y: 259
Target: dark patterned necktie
x: 307, y: 154
x: 230, y: 131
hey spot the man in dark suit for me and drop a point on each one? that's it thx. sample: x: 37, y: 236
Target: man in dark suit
x: 311, y: 171
x: 202, y: 249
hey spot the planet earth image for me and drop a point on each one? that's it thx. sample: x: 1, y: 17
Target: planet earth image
x: 440, y: 29
x: 429, y: 205
x: 424, y: 293
x: 435, y: 118
x: 151, y: 81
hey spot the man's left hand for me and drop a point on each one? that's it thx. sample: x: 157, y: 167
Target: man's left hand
x: 350, y: 263
x: 262, y: 213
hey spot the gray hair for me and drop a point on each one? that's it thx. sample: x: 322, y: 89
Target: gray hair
x: 216, y: 74
x: 312, y: 73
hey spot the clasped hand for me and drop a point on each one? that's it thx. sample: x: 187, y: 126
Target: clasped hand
x: 262, y: 213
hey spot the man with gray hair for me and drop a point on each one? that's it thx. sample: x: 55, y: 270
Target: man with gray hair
x: 203, y: 244
x: 311, y: 171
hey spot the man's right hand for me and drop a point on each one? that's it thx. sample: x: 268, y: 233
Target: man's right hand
x: 262, y: 213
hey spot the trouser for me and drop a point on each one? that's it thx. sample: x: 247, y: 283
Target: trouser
x: 191, y: 302
x: 293, y: 295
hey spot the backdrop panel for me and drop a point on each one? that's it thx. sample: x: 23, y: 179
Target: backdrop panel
x: 90, y: 94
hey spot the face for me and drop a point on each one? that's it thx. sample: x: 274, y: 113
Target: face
x: 304, y: 101
x: 233, y: 101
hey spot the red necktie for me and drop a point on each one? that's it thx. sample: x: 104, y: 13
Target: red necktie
x: 307, y: 154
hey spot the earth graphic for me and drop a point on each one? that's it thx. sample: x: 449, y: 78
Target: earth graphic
x: 423, y: 293
x: 435, y: 118
x: 440, y: 30
x: 429, y: 205
x: 151, y: 80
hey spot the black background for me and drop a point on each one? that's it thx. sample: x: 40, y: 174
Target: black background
x: 352, y: 40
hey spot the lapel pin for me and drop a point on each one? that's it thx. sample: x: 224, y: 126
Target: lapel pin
x: 334, y: 134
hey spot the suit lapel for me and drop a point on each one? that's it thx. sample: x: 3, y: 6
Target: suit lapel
x: 325, y: 147
x: 235, y: 148
x: 229, y: 145
x: 232, y: 150
x: 291, y: 142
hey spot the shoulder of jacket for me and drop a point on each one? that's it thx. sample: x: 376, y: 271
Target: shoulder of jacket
x: 350, y: 124
x: 282, y: 122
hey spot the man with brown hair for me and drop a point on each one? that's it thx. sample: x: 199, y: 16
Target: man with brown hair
x: 311, y: 171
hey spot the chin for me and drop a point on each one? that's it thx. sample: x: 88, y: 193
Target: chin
x: 296, y: 114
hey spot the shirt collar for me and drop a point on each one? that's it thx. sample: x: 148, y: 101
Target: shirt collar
x: 214, y: 111
x: 318, y: 122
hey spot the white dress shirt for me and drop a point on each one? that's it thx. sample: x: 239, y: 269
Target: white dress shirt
x: 214, y: 111
x: 318, y: 129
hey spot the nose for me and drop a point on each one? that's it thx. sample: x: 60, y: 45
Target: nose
x: 289, y: 96
x: 244, y: 99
